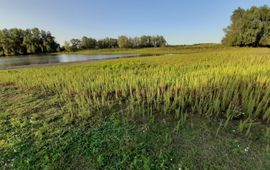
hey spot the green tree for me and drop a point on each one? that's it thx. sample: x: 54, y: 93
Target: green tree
x: 75, y: 44
x: 123, y: 42
x: 67, y: 46
x: 88, y: 43
x: 107, y: 43
x: 18, y: 42
x: 158, y: 41
x: 249, y: 27
x: 136, y: 42
x: 48, y: 43
x: 101, y: 44
x: 110, y: 42
x: 146, y: 41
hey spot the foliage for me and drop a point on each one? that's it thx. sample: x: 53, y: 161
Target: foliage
x: 179, y: 49
x: 88, y: 43
x: 249, y: 27
x: 38, y: 134
x: 67, y: 46
x: 141, y: 42
x: 122, y: 42
x: 75, y: 44
x: 30, y: 41
x: 217, y: 82
x: 161, y: 112
x: 107, y: 43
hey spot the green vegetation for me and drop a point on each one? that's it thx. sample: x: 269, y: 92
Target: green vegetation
x: 30, y: 41
x: 122, y: 42
x: 179, y: 49
x: 249, y: 27
x: 141, y: 42
x: 202, y: 108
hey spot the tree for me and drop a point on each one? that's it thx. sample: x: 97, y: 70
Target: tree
x: 6, y: 42
x: 107, y: 43
x: 75, y: 44
x: 67, y: 46
x: 16, y: 41
x: 1, y: 51
x: 88, y: 43
x: 136, y: 42
x: 33, y: 41
x: 17, y: 36
x: 110, y: 42
x: 265, y: 16
x: 101, y: 44
x: 146, y: 41
x: 48, y: 43
x: 249, y: 27
x: 123, y: 42
x: 158, y: 41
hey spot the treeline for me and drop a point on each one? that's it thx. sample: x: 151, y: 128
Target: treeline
x: 30, y: 41
x: 250, y: 27
x: 122, y: 42
x: 33, y: 41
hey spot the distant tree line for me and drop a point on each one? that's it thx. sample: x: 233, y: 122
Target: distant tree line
x: 121, y: 42
x: 141, y: 42
x: 89, y: 43
x: 250, y: 27
x: 33, y: 41
x: 30, y: 41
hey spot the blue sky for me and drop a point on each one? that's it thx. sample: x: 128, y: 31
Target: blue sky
x: 180, y: 21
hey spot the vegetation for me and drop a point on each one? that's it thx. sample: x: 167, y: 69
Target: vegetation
x: 33, y: 41
x: 30, y: 41
x: 122, y: 42
x: 249, y: 27
x: 189, y: 107
x: 88, y: 43
x: 179, y: 49
x: 141, y: 42
x: 202, y: 108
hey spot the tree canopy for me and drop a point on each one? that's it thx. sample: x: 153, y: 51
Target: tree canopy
x: 141, y: 42
x: 121, y: 42
x: 88, y: 43
x: 249, y: 27
x: 30, y: 41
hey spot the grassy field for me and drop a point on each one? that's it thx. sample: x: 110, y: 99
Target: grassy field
x: 202, y: 108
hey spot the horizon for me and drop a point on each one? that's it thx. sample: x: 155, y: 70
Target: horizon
x: 186, y: 22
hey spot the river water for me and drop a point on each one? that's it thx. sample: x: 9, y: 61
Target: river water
x: 10, y: 61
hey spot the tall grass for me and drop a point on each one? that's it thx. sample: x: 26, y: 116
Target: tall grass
x: 224, y: 83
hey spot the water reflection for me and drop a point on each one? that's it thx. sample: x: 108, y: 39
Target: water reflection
x: 47, y: 59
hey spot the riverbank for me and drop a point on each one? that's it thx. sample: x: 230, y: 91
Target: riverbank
x: 162, y: 50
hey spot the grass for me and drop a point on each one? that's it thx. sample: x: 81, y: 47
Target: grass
x: 203, y: 108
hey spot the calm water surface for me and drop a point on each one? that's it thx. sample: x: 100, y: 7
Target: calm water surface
x: 6, y: 62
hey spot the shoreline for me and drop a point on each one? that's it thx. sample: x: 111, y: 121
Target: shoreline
x: 75, y: 62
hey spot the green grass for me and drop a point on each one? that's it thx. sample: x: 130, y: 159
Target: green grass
x: 203, y: 108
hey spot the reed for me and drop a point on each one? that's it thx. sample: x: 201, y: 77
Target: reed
x: 228, y: 83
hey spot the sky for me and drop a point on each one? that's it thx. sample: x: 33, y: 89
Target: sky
x: 179, y: 21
